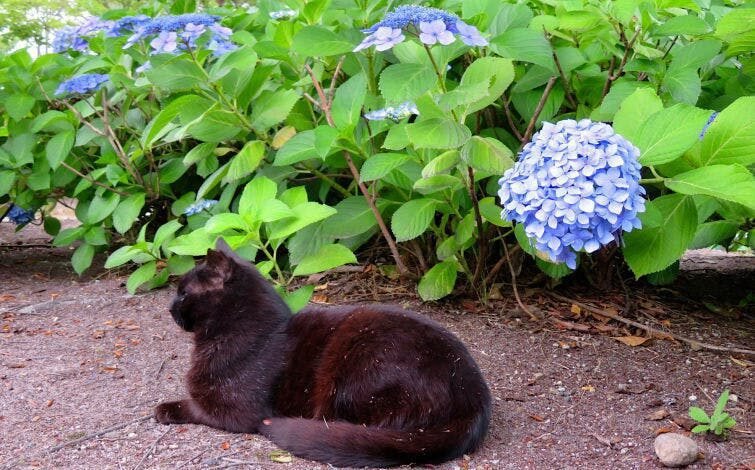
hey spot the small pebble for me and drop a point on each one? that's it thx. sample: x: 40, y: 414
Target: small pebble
x: 675, y: 450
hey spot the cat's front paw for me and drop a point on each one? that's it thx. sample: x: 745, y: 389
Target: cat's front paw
x: 172, y: 412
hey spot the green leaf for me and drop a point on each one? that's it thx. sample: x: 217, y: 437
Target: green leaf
x: 7, y: 178
x: 256, y: 193
x: 246, y: 161
x: 437, y: 183
x: 145, y: 273
x: 497, y: 73
x: 736, y: 28
x: 219, y: 223
x: 199, y: 153
x: 487, y: 154
x: 634, y: 111
x: 163, y: 234
x: 731, y: 136
x: 304, y: 214
x: 174, y: 73
x: 316, y: 41
x: 402, y: 82
x: 18, y: 105
x: 668, y: 227
x: 353, y: 218
x: 298, y: 299
x: 69, y: 235
x: 274, y: 210
x: 714, y: 233
x: 699, y: 415
x: 102, y: 206
x: 298, y: 148
x: 179, y: 265
x: 438, y: 133
x: 667, y: 134
x: 52, y: 121
x: 728, y: 182
x: 51, y: 225
x: 396, y: 138
x: 442, y: 163
x: 159, y: 125
x: 195, y: 243
x: 721, y: 403
x: 121, y: 256
x: 379, y: 165
x: 272, y: 108
x: 438, y: 282
x: 348, y: 101
x: 620, y: 90
x: 327, y: 257
x: 413, y: 218
x: 526, y: 45
x: 700, y: 428
x: 683, y: 84
x: 82, y: 258
x: 59, y: 147
x: 681, y: 25
x: 127, y: 211
x: 491, y: 212
x: 215, y: 125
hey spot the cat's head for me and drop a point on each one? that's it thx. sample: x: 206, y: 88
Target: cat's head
x: 201, y: 290
x: 224, y: 288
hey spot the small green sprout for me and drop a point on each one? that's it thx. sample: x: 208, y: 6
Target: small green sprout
x: 719, y: 422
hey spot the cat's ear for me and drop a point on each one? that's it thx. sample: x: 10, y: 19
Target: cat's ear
x: 220, y: 263
x: 222, y: 246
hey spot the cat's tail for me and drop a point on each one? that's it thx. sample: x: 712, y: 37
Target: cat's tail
x: 345, y: 444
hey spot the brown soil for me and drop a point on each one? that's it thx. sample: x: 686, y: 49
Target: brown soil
x: 82, y: 363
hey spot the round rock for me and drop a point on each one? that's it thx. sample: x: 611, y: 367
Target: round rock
x: 675, y: 450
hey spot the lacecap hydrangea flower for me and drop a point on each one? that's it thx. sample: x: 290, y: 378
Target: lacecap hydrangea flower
x: 19, y: 215
x: 76, y: 37
x: 199, y: 206
x: 574, y: 188
x: 82, y: 85
x: 395, y: 113
x: 172, y: 33
x: 431, y: 25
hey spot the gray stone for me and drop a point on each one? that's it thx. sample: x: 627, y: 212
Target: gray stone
x: 675, y: 450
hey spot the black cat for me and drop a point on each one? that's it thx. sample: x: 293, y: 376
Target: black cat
x: 369, y: 385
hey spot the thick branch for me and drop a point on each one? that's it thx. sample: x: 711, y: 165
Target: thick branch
x: 540, y: 105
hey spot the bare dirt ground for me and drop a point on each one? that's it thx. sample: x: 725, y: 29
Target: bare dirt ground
x: 82, y: 364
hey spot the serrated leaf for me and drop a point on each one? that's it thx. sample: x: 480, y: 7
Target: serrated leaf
x: 327, y: 257
x: 634, y: 111
x: 438, y: 134
x: 437, y: 183
x: 304, y: 215
x: 526, y: 45
x: 145, y: 273
x: 699, y: 415
x: 272, y: 108
x: 127, y: 211
x: 731, y: 136
x: 438, y: 282
x: 121, y: 256
x: 487, y: 154
x: 59, y: 147
x: 317, y: 41
x: 402, y: 82
x: 299, y: 148
x: 491, y: 212
x: 246, y: 161
x: 442, y: 163
x: 18, y: 105
x: 669, y: 225
x: 728, y: 182
x: 379, y: 165
x: 348, y: 101
x: 354, y: 217
x: 413, y: 218
x: 296, y: 301
x: 102, y: 206
x: 667, y: 134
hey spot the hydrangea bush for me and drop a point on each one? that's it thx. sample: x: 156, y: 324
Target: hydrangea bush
x: 304, y: 135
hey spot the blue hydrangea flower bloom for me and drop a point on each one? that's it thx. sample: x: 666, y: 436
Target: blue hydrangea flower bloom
x: 143, y: 68
x: 127, y: 24
x: 199, y: 206
x: 430, y: 24
x: 82, y: 85
x: 707, y: 124
x: 574, y: 188
x: 283, y: 14
x: 75, y: 37
x: 395, y: 113
x: 19, y: 216
x: 187, y: 28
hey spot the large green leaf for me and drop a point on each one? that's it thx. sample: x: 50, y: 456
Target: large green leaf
x: 669, y: 226
x: 316, y: 41
x: 272, y: 108
x: 256, y: 194
x: 729, y: 182
x: 348, y: 101
x: 127, y: 211
x: 296, y: 149
x: 681, y: 25
x: 634, y: 111
x: 102, y: 206
x: 145, y: 273
x: 159, y: 126
x: 327, y: 257
x: 487, y: 154
x: 215, y: 125
x: 174, y: 73
x: 526, y: 45
x: 438, y: 133
x: 59, y: 147
x: 667, y: 134
x: 731, y: 136
x: 438, y: 282
x: 381, y: 164
x: 304, y: 215
x: 402, y: 82
x: 413, y: 218
x: 18, y: 105
x: 246, y: 161
x: 736, y: 28
x: 494, y: 72
x: 82, y: 258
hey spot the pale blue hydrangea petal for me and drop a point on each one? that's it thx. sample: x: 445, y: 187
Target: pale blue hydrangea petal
x: 199, y: 206
x: 82, y: 85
